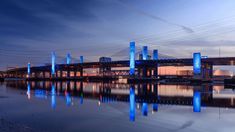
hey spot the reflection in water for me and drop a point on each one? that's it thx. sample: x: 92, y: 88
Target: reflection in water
x: 141, y: 94
x: 145, y: 109
x: 81, y: 92
x: 132, y: 104
x: 197, y: 102
x: 53, y: 96
x: 155, y: 107
x: 28, y: 90
x: 81, y: 98
x: 68, y: 99
x: 40, y: 93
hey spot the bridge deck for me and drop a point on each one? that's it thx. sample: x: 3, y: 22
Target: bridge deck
x: 125, y: 63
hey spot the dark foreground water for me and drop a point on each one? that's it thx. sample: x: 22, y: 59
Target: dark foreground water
x: 81, y: 106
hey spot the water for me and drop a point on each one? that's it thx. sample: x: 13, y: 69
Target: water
x: 82, y: 106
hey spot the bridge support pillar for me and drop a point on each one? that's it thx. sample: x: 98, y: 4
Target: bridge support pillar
x: 197, y: 66
x: 53, y: 70
x: 207, y: 71
x: 75, y: 73
x: 56, y: 74
x: 61, y: 73
x: 155, y: 57
x: 28, y: 71
x: 81, y: 72
x: 68, y: 73
x: 144, y: 72
x: 132, y: 58
x: 155, y: 72
x: 145, y: 53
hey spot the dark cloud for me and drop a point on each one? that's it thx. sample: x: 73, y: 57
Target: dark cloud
x: 35, y: 19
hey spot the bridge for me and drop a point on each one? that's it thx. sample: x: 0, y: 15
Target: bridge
x: 144, y: 68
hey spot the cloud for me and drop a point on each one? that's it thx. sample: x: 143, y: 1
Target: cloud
x: 43, y: 19
x: 141, y: 12
x: 201, y: 43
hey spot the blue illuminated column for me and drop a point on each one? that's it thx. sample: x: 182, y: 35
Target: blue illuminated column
x: 28, y: 70
x: 132, y: 58
x: 155, y: 54
x: 196, y: 102
x: 68, y: 60
x: 132, y: 104
x: 53, y: 63
x: 81, y: 59
x: 196, y: 63
x: 145, y: 52
x: 53, y: 96
x: 145, y: 109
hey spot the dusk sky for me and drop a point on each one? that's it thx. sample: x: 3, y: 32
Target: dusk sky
x: 31, y: 29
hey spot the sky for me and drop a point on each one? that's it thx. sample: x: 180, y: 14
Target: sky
x: 31, y: 29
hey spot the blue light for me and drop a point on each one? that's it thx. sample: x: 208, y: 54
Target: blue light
x: 28, y: 90
x: 155, y: 54
x: 132, y: 104
x: 68, y: 99
x: 197, y: 63
x: 81, y: 99
x: 53, y: 63
x: 40, y: 93
x: 196, y: 102
x: 145, y: 52
x: 155, y: 107
x: 28, y: 69
x: 68, y: 60
x: 145, y: 109
x: 132, y: 58
x: 81, y: 59
x: 53, y: 96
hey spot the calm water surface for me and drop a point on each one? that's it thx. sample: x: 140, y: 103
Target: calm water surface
x: 82, y: 106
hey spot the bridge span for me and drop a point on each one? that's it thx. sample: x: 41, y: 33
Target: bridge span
x: 144, y: 68
x: 77, y: 69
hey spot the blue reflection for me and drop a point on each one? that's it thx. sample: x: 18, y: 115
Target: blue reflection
x: 145, y: 109
x: 28, y: 90
x: 132, y: 58
x: 197, y: 63
x: 81, y: 99
x: 155, y: 107
x: 40, y: 93
x: 53, y: 96
x: 197, y: 102
x: 132, y: 104
x: 68, y: 99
